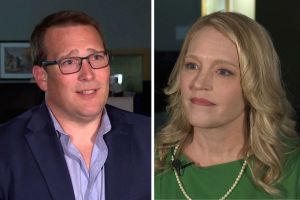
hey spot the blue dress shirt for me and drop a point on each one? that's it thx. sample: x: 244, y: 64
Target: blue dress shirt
x: 88, y: 184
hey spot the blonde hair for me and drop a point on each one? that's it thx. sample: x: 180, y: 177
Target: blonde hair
x: 270, y: 126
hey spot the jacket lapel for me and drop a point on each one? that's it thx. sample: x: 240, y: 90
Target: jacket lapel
x: 118, y: 169
x: 47, y: 150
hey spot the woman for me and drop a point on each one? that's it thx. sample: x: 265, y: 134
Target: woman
x: 230, y: 132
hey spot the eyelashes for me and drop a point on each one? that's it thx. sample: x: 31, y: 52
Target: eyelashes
x: 224, y: 72
x: 220, y: 70
x: 190, y: 65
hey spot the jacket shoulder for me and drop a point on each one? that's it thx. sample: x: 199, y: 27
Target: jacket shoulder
x: 19, y: 125
x: 126, y: 116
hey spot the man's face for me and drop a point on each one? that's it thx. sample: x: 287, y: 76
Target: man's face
x: 82, y: 95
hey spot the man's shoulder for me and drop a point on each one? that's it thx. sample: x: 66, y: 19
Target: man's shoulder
x: 18, y: 124
x: 12, y: 136
x: 138, y: 126
x: 126, y: 116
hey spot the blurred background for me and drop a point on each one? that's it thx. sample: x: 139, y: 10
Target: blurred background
x: 174, y: 17
x: 126, y: 26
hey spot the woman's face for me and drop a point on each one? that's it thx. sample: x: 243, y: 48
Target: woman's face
x: 210, y: 82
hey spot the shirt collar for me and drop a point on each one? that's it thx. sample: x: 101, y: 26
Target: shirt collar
x: 105, y: 125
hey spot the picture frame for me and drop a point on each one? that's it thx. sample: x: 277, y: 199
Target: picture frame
x: 133, y: 65
x: 15, y: 60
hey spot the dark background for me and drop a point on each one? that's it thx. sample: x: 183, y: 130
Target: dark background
x: 280, y: 18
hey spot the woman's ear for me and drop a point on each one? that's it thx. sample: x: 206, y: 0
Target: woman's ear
x: 41, y: 77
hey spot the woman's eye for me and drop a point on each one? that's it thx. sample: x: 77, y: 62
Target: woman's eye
x: 224, y: 72
x: 191, y: 66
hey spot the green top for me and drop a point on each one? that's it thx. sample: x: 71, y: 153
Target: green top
x: 214, y: 181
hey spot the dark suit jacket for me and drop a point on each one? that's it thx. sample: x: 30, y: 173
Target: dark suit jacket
x: 32, y: 163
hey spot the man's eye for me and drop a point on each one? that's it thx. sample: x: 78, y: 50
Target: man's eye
x: 191, y: 66
x: 67, y: 62
x: 97, y: 57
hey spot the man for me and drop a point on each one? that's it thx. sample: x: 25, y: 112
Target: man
x: 73, y: 146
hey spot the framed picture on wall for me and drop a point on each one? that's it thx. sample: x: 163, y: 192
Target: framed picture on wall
x: 130, y: 67
x: 15, y: 60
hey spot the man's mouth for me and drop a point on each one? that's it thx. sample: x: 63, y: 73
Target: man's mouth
x: 87, y: 91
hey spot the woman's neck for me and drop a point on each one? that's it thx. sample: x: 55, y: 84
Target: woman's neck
x: 215, y: 146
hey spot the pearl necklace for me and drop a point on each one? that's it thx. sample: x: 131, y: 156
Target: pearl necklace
x: 225, y: 195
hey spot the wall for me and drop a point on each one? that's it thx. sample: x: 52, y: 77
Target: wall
x: 125, y: 24
x: 169, y: 15
x: 282, y: 22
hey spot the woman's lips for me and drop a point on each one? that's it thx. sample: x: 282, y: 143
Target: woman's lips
x: 202, y: 102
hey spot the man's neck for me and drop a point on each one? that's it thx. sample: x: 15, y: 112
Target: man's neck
x: 81, y: 131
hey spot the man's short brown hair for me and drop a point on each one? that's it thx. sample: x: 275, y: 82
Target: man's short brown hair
x: 61, y: 18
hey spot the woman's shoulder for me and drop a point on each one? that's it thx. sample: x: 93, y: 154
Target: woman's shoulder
x: 164, y: 179
x: 293, y: 156
x: 166, y: 170
x: 291, y: 173
x: 292, y: 162
x: 165, y: 184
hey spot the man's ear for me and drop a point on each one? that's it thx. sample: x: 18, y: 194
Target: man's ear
x: 41, y: 77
